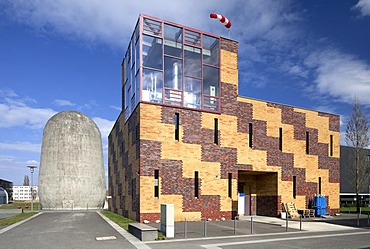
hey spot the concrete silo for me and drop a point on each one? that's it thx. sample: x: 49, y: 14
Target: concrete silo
x: 71, y: 172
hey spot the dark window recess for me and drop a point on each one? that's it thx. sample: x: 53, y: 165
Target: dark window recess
x: 280, y: 139
x: 196, y: 184
x: 307, y: 142
x: 156, y: 183
x: 229, y: 185
x: 331, y: 145
x: 319, y: 185
x: 250, y: 135
x: 177, y: 126
x: 215, y: 137
x: 294, y: 187
x: 132, y: 188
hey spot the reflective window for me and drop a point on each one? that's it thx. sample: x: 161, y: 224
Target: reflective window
x: 192, y: 38
x: 210, y: 50
x: 152, y: 27
x: 192, y: 62
x: 137, y: 55
x: 192, y: 93
x: 210, y: 81
x: 152, y: 86
x: 152, y: 52
x: 172, y: 40
x: 172, y: 73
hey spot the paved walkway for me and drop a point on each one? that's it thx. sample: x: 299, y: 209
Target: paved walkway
x: 89, y: 229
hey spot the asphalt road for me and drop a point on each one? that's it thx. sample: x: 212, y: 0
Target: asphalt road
x: 64, y: 230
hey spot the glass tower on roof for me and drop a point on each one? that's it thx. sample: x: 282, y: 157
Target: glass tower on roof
x: 172, y: 65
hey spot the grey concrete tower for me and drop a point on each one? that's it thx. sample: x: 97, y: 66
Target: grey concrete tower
x: 71, y: 172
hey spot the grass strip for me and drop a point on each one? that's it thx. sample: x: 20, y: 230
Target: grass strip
x: 123, y: 222
x: 16, y: 218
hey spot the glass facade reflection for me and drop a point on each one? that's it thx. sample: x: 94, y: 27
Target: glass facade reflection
x: 173, y: 65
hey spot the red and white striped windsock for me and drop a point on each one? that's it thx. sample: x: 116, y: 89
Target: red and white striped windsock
x: 222, y: 19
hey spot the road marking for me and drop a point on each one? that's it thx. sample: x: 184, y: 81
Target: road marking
x: 218, y: 246
x: 106, y: 238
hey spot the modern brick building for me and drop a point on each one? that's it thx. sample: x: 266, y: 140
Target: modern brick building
x: 185, y: 137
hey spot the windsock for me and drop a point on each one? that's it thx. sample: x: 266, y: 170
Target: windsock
x: 222, y: 19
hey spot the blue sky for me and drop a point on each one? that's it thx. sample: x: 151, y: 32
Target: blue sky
x: 66, y: 55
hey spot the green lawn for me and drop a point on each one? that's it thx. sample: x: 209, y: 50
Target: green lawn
x: 123, y: 222
x: 16, y: 218
x: 23, y: 204
x: 353, y: 209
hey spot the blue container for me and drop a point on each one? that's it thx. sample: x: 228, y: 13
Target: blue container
x: 319, y: 203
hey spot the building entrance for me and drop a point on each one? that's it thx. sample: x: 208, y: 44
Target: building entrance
x: 258, y: 193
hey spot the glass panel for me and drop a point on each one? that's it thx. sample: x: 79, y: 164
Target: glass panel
x: 132, y: 52
x: 210, y: 50
x: 172, y: 40
x: 193, y: 62
x: 152, y: 52
x: 152, y: 27
x: 172, y: 73
x: 152, y: 86
x: 192, y: 96
x: 127, y: 69
x: 173, y: 97
x: 192, y: 38
x: 211, y: 81
x: 137, y: 91
x: 137, y: 55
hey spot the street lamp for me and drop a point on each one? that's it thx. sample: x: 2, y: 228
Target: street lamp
x: 32, y: 169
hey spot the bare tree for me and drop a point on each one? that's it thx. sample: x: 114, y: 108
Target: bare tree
x: 26, y: 181
x: 357, y: 137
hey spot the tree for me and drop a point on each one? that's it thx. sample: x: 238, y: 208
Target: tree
x: 357, y: 137
x: 26, y: 181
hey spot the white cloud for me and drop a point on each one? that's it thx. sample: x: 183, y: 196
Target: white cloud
x: 340, y: 75
x: 18, y: 112
x: 109, y: 21
x: 63, y: 102
x: 363, y: 6
x: 21, y: 146
x: 105, y: 126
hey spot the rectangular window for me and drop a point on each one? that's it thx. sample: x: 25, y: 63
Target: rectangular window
x: 280, y: 139
x: 319, y: 185
x: 215, y: 137
x: 294, y: 186
x: 331, y: 145
x: 250, y: 135
x: 229, y: 185
x: 177, y: 126
x: 307, y: 142
x: 196, y: 184
x: 156, y: 183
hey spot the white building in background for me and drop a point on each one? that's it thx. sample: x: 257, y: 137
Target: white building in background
x: 23, y: 193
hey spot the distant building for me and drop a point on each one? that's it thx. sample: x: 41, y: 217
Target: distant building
x: 8, y: 186
x: 23, y: 193
x: 4, y: 198
x: 347, y: 189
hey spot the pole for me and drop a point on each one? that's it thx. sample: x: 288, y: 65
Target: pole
x: 251, y: 225
x: 32, y: 191
x: 300, y: 223
x: 235, y: 225
x: 186, y: 229
x: 286, y: 224
x: 205, y: 227
x: 32, y: 169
